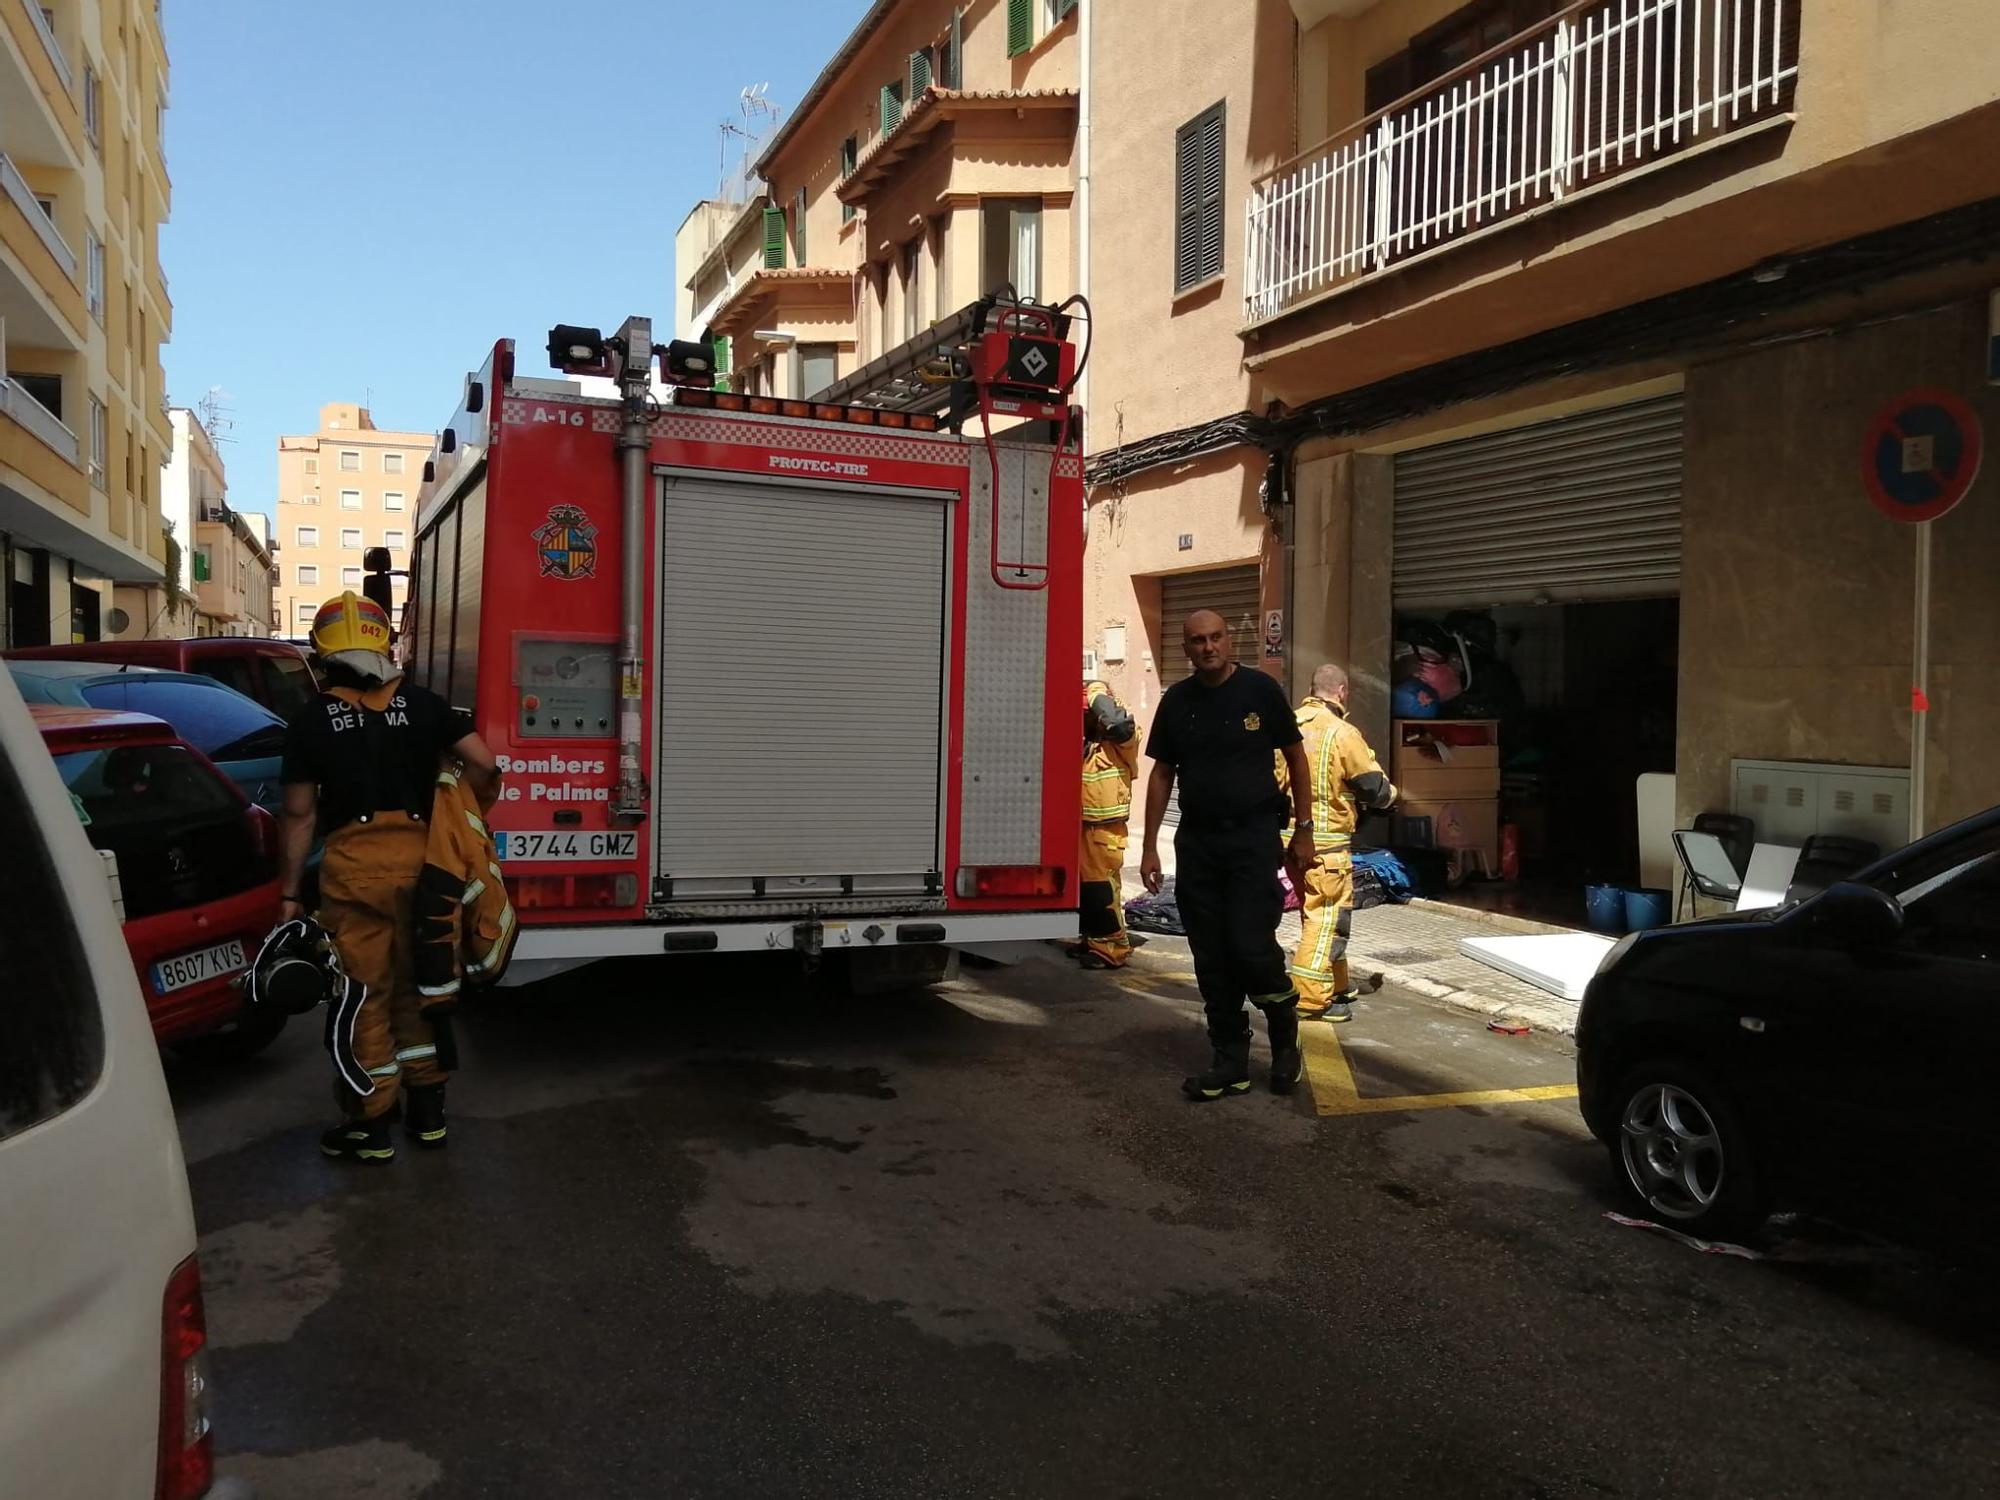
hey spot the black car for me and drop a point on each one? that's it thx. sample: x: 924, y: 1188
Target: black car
x: 1838, y: 1053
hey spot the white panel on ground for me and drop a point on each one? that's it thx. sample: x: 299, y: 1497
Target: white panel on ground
x: 1560, y: 962
x: 802, y: 689
x: 1006, y: 661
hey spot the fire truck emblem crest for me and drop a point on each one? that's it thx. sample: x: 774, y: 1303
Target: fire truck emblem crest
x: 567, y: 543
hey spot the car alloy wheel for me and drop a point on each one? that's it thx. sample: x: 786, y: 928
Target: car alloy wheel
x: 1672, y: 1151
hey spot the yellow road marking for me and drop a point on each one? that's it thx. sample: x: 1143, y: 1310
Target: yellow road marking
x: 1334, y: 1092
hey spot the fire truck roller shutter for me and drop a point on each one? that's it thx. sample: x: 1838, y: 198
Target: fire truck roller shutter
x: 802, y: 691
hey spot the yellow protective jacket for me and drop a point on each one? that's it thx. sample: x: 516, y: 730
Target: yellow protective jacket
x: 1347, y: 778
x: 465, y: 923
x: 1107, y: 780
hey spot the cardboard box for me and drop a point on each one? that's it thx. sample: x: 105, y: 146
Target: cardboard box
x: 1431, y: 783
x: 1461, y: 823
x: 1426, y: 744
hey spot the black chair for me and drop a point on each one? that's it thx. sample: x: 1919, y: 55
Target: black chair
x: 1714, y: 856
x: 1826, y: 858
x: 1738, y: 835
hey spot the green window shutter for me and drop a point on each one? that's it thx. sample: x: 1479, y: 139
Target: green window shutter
x: 892, y: 106
x: 200, y: 568
x: 954, y: 57
x: 719, y: 351
x: 848, y: 160
x: 799, y: 227
x: 920, y: 71
x: 1020, y: 26
x: 774, y: 238
x: 1064, y: 7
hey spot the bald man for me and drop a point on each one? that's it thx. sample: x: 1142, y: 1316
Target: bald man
x: 1347, y: 781
x: 1216, y: 735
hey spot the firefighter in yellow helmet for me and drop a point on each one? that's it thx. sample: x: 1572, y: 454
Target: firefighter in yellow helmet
x: 1110, y: 761
x: 361, y: 766
x: 1347, y: 780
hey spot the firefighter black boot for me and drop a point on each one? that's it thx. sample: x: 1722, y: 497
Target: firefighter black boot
x: 360, y: 1140
x: 423, y: 1115
x: 1288, y: 1063
x: 1228, y: 1070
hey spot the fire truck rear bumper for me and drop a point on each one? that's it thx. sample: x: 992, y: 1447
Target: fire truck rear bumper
x: 546, y: 951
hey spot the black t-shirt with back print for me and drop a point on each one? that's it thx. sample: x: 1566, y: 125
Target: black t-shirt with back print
x: 366, y: 762
x: 1221, y: 741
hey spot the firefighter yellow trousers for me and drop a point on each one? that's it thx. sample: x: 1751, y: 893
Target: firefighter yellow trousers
x: 368, y: 885
x: 1319, y: 968
x: 1101, y: 907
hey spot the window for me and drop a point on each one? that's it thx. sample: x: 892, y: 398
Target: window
x: 392, y: 463
x: 51, y: 1030
x: 921, y: 67
x: 849, y: 158
x: 305, y: 613
x: 93, y: 275
x: 100, y: 442
x: 350, y: 536
x: 1954, y: 912
x: 892, y: 106
x: 312, y: 463
x: 395, y: 541
x: 818, y: 364
x: 305, y: 536
x: 311, y: 497
x: 1012, y: 252
x: 202, y: 565
x: 913, y: 267
x: 350, y: 461
x: 307, y: 575
x: 93, y: 108
x: 392, y: 499
x: 799, y: 228
x: 950, y: 49
x: 350, y: 499
x: 1198, y: 199
x: 350, y: 578
x: 288, y: 684
x: 219, y: 723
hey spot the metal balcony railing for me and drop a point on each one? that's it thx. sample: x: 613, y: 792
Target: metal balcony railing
x: 49, y: 41
x: 1604, y: 88
x: 24, y: 199
x: 39, y: 420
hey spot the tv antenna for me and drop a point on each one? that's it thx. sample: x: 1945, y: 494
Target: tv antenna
x: 759, y: 114
x: 214, y: 412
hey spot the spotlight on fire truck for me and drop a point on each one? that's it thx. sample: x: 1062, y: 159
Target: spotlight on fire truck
x: 579, y: 351
x: 688, y: 362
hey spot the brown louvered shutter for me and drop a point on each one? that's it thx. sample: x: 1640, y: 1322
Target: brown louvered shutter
x: 1198, y: 182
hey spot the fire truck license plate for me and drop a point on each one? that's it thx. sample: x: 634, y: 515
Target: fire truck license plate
x: 568, y: 848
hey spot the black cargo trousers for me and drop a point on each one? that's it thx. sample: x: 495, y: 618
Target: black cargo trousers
x: 1226, y: 883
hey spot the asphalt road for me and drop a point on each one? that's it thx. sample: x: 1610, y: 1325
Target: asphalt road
x: 703, y: 1232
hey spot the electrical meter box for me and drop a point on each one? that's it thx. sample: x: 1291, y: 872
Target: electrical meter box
x: 566, y: 688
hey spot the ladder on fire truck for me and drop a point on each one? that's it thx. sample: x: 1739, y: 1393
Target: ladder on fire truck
x: 1012, y: 346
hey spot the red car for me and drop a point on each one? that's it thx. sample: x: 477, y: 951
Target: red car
x: 273, y: 673
x: 193, y: 865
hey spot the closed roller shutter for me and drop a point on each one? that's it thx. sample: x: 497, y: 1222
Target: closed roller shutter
x: 1233, y: 593
x: 1585, y: 507
x: 802, y: 671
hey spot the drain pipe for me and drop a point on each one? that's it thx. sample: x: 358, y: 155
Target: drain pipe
x: 635, y: 446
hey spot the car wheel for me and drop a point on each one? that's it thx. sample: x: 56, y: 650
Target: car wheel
x: 1683, y: 1155
x: 241, y: 1042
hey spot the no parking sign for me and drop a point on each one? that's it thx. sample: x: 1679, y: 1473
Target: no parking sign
x: 1921, y: 455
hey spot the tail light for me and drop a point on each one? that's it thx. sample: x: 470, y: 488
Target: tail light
x: 573, y: 892
x: 1011, y: 880
x: 187, y: 1448
x: 264, y: 837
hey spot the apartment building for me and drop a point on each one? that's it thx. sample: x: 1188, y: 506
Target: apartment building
x: 83, y: 312
x: 341, y: 490
x: 233, y: 572
x: 718, y: 247
x: 931, y: 161
x: 1564, y: 332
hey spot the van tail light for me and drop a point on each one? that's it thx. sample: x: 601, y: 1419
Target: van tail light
x: 264, y: 837
x: 573, y: 892
x: 1010, y: 880
x: 187, y: 1448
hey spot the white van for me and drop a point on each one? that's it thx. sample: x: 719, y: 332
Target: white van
x: 103, y: 1384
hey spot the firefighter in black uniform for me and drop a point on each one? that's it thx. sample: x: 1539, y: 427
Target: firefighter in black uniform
x: 1215, y: 733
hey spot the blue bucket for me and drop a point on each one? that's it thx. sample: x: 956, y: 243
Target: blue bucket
x: 1647, y: 908
x: 1604, y: 909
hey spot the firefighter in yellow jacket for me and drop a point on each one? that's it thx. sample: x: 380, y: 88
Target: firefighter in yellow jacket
x: 1110, y: 761
x: 1347, y: 781
x: 361, y: 766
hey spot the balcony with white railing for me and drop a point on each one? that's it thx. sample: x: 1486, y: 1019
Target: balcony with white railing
x: 56, y: 54
x: 39, y: 420
x: 1604, y: 89
x: 16, y: 187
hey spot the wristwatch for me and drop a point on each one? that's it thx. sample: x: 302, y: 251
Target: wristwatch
x: 1305, y: 827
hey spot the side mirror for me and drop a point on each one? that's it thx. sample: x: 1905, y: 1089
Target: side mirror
x: 1855, y: 915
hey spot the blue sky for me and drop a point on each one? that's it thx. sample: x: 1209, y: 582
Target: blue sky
x: 359, y: 213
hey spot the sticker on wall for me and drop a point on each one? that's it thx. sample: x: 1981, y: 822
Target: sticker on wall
x: 1274, y: 635
x: 568, y: 544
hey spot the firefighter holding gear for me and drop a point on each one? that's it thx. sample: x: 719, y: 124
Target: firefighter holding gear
x: 1110, y: 762
x: 1347, y: 781
x: 361, y: 766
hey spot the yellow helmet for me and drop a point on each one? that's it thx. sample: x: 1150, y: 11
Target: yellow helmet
x: 350, y: 623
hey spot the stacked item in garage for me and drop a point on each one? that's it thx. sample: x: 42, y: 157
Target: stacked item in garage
x: 1448, y: 771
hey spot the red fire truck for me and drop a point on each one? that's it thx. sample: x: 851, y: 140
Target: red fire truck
x: 769, y: 674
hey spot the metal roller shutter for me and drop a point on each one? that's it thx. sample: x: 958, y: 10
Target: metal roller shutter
x: 1233, y: 593
x: 1584, y: 507
x: 802, y: 684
